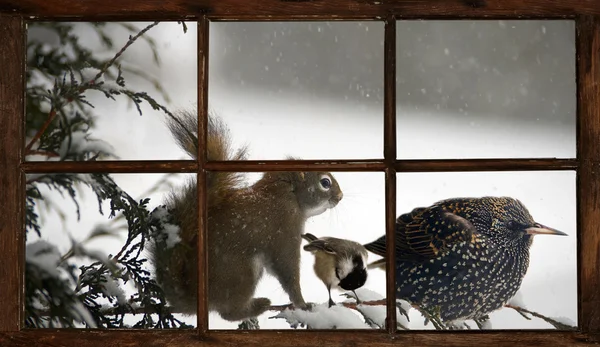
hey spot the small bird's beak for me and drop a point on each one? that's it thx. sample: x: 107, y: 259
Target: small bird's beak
x: 538, y: 228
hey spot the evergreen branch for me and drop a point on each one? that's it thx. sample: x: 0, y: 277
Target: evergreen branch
x: 71, y: 95
x: 41, y: 131
x: 131, y: 40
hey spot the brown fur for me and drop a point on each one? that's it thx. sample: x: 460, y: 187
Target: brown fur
x: 250, y: 229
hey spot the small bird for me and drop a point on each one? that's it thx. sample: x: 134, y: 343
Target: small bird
x: 465, y: 256
x: 338, y: 263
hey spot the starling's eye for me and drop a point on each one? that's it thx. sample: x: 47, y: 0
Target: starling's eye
x: 325, y: 183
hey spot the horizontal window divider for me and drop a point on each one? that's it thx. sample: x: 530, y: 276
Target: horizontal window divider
x: 295, y: 165
x: 116, y: 17
x: 96, y: 337
x: 192, y: 10
x: 125, y: 166
x: 190, y: 166
x: 454, y: 165
x: 376, y: 17
x: 294, y: 18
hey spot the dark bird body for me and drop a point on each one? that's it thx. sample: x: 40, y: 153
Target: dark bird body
x: 465, y: 256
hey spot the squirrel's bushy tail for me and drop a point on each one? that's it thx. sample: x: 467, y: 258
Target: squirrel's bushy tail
x: 176, y: 265
x: 184, y: 127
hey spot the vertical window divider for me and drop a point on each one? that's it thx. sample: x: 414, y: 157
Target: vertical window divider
x: 202, y: 107
x: 588, y: 181
x: 389, y: 126
x: 12, y: 179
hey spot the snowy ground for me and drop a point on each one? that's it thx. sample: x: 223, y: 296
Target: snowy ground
x: 276, y: 123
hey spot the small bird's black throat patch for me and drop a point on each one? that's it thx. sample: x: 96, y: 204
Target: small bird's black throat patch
x: 357, y: 277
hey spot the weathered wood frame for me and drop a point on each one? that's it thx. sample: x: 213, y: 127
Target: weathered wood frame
x: 14, y: 13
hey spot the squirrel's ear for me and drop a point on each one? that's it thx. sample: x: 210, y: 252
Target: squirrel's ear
x: 302, y: 176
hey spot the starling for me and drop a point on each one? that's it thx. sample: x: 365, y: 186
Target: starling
x: 465, y: 257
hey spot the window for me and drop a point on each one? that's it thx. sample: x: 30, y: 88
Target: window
x: 13, y: 169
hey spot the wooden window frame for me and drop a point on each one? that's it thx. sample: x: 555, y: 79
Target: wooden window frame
x: 15, y: 13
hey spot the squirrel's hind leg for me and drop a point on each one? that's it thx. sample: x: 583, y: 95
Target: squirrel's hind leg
x: 251, y: 309
x: 233, y: 291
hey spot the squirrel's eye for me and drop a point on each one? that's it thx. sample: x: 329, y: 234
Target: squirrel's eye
x: 325, y: 183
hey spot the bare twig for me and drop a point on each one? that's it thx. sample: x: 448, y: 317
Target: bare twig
x: 131, y: 40
x: 553, y: 322
x: 351, y: 305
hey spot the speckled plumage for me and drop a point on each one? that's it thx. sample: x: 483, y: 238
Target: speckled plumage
x: 465, y: 256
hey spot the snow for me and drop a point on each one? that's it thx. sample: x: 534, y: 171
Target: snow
x: 84, y: 315
x: 40, y: 157
x: 376, y: 314
x: 172, y: 232
x: 365, y: 294
x: 161, y: 213
x: 324, y: 317
x: 517, y: 300
x: 45, y: 256
x: 88, y: 179
x: 112, y: 288
x: 565, y: 320
x: 80, y: 143
x: 486, y: 325
x: 90, y: 73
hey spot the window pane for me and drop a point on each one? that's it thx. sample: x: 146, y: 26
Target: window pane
x: 82, y: 115
x: 305, y: 89
x: 254, y: 241
x: 486, y: 89
x: 89, y: 258
x: 499, y: 226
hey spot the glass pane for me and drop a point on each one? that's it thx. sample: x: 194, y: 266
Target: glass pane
x: 486, y: 89
x: 254, y: 243
x: 87, y: 107
x: 466, y: 284
x: 92, y: 243
x: 308, y: 90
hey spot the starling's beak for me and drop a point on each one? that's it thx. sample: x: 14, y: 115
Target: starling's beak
x: 538, y: 228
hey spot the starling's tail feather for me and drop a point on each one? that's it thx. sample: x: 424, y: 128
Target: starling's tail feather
x: 377, y: 247
x: 377, y: 264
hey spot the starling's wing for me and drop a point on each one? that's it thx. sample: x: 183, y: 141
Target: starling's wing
x: 379, y: 246
x: 424, y: 233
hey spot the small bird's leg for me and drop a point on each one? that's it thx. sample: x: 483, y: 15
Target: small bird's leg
x: 331, y: 303
x: 358, y: 302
